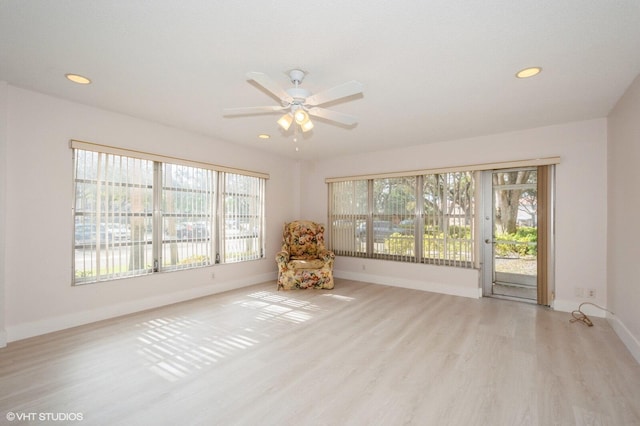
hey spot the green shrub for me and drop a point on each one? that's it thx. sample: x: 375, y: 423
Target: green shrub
x: 462, y: 232
x: 399, y: 244
x: 523, y: 235
x: 435, y: 245
x: 195, y: 259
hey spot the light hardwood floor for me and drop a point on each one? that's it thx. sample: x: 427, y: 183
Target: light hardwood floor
x: 360, y: 354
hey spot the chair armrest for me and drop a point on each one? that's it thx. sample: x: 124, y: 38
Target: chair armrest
x: 282, y: 257
x: 326, y: 255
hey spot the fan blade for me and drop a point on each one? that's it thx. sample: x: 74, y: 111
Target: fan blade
x: 250, y: 110
x: 338, y: 117
x: 346, y: 89
x: 271, y: 86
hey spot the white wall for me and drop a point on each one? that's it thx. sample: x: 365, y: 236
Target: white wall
x: 623, y: 278
x: 3, y: 203
x: 37, y: 272
x: 580, y: 207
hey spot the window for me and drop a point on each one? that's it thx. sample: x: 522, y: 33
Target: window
x: 423, y: 218
x: 447, y: 236
x: 113, y: 205
x: 188, y: 210
x: 135, y: 216
x: 349, y: 207
x: 243, y: 217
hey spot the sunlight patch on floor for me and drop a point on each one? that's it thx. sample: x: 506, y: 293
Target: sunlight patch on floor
x: 174, y: 348
x: 339, y: 297
x: 278, y: 307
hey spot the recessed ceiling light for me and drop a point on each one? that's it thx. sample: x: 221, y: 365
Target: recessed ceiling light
x: 264, y: 136
x: 78, y: 78
x: 528, y: 72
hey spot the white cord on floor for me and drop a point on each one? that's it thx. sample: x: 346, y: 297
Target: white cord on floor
x: 578, y: 315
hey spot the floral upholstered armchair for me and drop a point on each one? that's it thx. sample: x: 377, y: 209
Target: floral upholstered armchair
x: 304, y: 261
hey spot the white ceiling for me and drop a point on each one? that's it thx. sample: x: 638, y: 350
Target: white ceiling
x: 432, y: 70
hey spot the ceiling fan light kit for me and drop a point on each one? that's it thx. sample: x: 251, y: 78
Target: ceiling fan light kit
x: 306, y: 126
x: 301, y: 116
x: 300, y: 102
x: 285, y: 121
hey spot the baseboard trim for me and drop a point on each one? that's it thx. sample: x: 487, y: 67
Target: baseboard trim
x: 630, y: 341
x: 52, y: 324
x: 434, y: 287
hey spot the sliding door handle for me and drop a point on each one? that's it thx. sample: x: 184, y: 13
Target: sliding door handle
x: 488, y: 241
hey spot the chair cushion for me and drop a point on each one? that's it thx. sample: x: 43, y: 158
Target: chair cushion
x: 306, y: 264
x: 303, y: 239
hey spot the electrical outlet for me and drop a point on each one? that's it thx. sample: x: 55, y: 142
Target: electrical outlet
x: 578, y: 292
x: 363, y: 267
x: 213, y: 275
x: 590, y: 293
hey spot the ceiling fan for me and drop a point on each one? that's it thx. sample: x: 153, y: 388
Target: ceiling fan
x: 299, y: 102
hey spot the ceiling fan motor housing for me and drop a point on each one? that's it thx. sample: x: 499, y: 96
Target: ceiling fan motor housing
x: 298, y: 94
x: 296, y: 76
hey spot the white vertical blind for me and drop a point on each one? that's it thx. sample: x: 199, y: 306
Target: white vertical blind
x: 349, y: 206
x: 448, y: 219
x: 423, y: 218
x: 454, y: 169
x: 111, y: 213
x: 90, y: 146
x: 394, y: 213
x: 135, y: 216
x: 243, y: 231
x: 188, y: 207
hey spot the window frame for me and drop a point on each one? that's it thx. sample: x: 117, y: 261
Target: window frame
x: 402, y: 243
x: 155, y: 215
x: 477, y: 204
